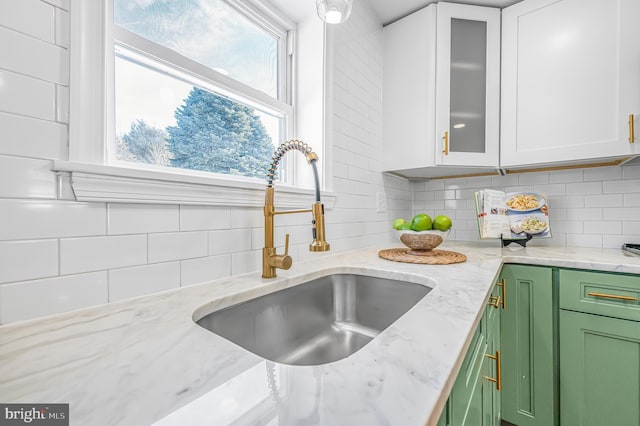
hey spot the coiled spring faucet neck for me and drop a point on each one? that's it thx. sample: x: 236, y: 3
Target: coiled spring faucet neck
x: 294, y: 145
x: 270, y: 259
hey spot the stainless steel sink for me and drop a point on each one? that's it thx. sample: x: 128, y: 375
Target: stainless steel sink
x: 317, y: 322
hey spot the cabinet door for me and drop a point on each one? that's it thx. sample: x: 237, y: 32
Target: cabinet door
x: 569, y: 80
x: 468, y: 396
x: 492, y: 408
x: 526, y: 340
x: 468, y: 85
x: 408, y: 91
x: 599, y: 370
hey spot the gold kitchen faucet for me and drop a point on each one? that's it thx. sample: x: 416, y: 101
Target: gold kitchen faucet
x: 270, y: 259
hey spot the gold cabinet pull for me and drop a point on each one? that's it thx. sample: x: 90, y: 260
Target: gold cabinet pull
x: 613, y: 296
x: 503, y: 286
x: 446, y: 143
x: 498, y: 379
x: 632, y: 136
x: 494, y: 301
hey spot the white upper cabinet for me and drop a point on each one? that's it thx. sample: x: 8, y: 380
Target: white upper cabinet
x: 442, y: 77
x: 468, y: 85
x: 570, y: 80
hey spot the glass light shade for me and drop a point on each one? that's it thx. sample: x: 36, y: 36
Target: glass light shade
x: 334, y: 11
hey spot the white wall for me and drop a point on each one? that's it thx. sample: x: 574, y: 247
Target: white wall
x: 58, y: 255
x: 596, y: 207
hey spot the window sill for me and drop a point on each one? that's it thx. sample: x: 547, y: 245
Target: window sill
x: 112, y: 184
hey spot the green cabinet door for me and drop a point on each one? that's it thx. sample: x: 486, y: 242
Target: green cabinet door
x: 467, y: 399
x: 492, y: 406
x: 475, y: 400
x: 599, y: 370
x: 527, y: 342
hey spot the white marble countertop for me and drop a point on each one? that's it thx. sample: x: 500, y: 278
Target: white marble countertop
x: 145, y: 361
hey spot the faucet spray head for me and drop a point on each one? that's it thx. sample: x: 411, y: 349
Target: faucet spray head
x: 319, y: 243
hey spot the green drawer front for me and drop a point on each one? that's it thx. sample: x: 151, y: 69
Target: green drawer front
x: 601, y: 293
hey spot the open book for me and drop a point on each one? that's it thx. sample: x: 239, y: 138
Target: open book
x: 512, y: 215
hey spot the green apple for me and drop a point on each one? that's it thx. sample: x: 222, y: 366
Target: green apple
x: 397, y: 224
x: 442, y: 223
x: 421, y: 222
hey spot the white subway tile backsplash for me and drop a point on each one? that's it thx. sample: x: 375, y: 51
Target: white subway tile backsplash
x: 250, y: 217
x: 584, y: 214
x: 598, y: 174
x: 142, y: 218
x: 40, y: 52
x: 32, y: 299
x: 607, y: 200
x: 62, y: 104
x: 623, y: 214
x: 551, y: 189
x: 27, y: 260
x: 246, y: 261
x: 538, y: 178
x: 616, y: 241
x: 602, y: 227
x: 194, y: 271
x: 583, y: 188
x: 584, y: 240
x: 631, y: 200
x: 567, y: 226
x: 566, y: 201
x: 26, y: 178
x: 201, y: 218
x: 62, y: 28
x: 30, y: 137
x: 631, y: 227
x: 31, y: 219
x: 434, y: 185
x: 566, y: 176
x: 27, y: 96
x: 631, y: 172
x: 101, y: 253
x: 230, y: 241
x: 177, y: 246
x: 445, y: 195
x: 141, y: 280
x: 502, y: 181
x: 621, y: 186
x: 31, y: 17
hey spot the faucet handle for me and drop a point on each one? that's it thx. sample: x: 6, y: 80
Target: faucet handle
x: 281, y: 261
x: 286, y: 245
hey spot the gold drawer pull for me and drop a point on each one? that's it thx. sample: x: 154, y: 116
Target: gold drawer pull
x: 632, y: 136
x: 494, y: 301
x: 503, y: 285
x: 613, y: 296
x: 446, y: 143
x: 498, y: 379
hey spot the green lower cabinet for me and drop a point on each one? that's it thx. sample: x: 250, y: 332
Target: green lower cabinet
x: 599, y: 370
x: 527, y: 335
x: 474, y: 400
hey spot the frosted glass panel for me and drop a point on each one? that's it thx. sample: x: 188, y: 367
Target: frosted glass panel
x: 468, y: 86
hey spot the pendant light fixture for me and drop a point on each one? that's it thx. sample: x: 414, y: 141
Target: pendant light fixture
x: 334, y: 11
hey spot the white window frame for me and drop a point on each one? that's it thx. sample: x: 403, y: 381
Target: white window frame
x: 91, y: 125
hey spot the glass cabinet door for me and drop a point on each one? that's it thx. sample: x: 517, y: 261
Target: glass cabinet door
x: 468, y: 84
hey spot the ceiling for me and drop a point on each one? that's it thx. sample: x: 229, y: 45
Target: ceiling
x: 387, y: 10
x: 392, y: 10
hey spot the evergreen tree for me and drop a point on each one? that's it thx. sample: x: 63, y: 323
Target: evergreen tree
x: 216, y: 134
x: 144, y: 144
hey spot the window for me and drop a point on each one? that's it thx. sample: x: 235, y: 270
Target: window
x: 198, y: 84
x: 128, y: 79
